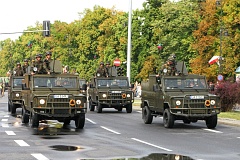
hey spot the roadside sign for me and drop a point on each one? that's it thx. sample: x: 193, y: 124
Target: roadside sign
x: 220, y: 77
x: 117, y: 62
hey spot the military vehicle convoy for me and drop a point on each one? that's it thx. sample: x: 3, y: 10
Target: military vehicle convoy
x: 14, y: 93
x: 110, y: 92
x: 55, y: 96
x: 183, y: 97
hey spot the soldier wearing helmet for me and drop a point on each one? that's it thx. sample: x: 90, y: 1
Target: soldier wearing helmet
x: 108, y: 69
x: 47, y: 61
x: 169, y: 68
x: 101, y: 71
x: 37, y: 66
x: 25, y: 67
x: 18, y: 71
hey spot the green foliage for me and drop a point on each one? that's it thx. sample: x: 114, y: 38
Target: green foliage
x: 188, y: 28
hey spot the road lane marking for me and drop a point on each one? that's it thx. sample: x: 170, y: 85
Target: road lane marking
x: 110, y: 130
x: 21, y: 143
x: 211, y: 130
x: 238, y: 137
x: 4, y: 120
x: 39, y: 156
x: 153, y: 145
x: 5, y: 125
x: 91, y: 121
x: 10, y: 133
x: 6, y: 116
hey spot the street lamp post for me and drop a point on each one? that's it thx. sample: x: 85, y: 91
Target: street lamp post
x: 129, y: 41
x: 219, y: 3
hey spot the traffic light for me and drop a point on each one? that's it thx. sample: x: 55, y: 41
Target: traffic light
x: 120, y: 71
x: 46, y: 28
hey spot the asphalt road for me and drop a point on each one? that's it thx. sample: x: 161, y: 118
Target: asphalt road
x: 115, y: 135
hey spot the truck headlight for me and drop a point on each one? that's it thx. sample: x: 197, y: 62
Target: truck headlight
x: 178, y: 102
x: 212, y: 102
x: 17, y: 94
x: 42, y: 101
x: 78, y: 101
x: 128, y: 95
x: 104, y: 95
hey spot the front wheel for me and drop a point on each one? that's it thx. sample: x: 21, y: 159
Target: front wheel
x: 211, y: 122
x: 99, y: 108
x: 25, y: 116
x: 129, y: 108
x: 168, y: 119
x: 35, y: 120
x: 80, y: 121
x: 146, y: 115
x: 13, y: 109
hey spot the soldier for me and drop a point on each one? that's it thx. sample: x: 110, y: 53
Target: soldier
x: 108, y: 69
x: 25, y: 66
x: 47, y: 61
x: 18, y: 71
x: 37, y: 66
x: 101, y: 71
x: 169, y: 68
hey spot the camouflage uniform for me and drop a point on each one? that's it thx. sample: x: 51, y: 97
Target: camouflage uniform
x: 170, y: 66
x: 47, y: 61
x: 101, y: 71
x: 108, y: 69
x: 25, y: 67
x: 38, y: 63
x: 18, y: 71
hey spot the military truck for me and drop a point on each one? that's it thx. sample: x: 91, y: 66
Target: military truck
x: 14, y: 93
x: 110, y: 92
x: 183, y: 97
x: 54, y: 96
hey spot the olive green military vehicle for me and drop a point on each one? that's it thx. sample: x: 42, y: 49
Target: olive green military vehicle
x: 56, y: 96
x: 14, y: 93
x: 183, y: 97
x: 110, y: 92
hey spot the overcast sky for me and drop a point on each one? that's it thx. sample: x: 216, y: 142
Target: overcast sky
x: 17, y: 15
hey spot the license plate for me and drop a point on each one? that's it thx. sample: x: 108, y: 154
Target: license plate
x: 60, y: 96
x: 196, y: 97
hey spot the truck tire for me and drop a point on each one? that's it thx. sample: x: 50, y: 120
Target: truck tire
x: 13, y: 109
x: 168, y: 119
x: 91, y: 106
x: 35, y: 120
x: 146, y: 115
x: 9, y: 107
x: 25, y: 116
x: 66, y: 121
x: 80, y: 121
x: 99, y: 108
x: 211, y: 122
x: 129, y: 108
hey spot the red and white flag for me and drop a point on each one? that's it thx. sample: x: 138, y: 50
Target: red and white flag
x: 214, y: 59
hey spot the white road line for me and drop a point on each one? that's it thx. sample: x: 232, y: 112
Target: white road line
x: 91, y: 121
x: 5, y: 125
x: 21, y: 143
x: 135, y: 139
x: 211, y: 130
x: 110, y: 130
x: 238, y: 137
x: 10, y: 133
x: 39, y: 156
x: 139, y: 111
x: 4, y: 120
x: 6, y: 116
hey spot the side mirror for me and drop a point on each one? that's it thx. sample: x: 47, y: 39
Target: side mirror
x: 84, y: 87
x: 132, y: 86
x: 158, y: 80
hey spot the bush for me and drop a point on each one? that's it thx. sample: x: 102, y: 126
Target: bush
x: 229, y: 93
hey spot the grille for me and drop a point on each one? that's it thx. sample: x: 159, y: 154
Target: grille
x: 194, y: 103
x: 115, y: 96
x: 58, y: 102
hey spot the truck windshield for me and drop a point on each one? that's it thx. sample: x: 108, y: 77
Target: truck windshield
x: 55, y: 82
x: 196, y: 83
x: 17, y: 82
x: 112, y: 83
